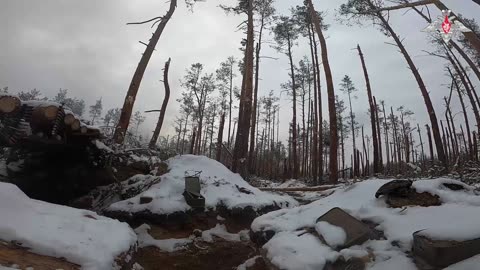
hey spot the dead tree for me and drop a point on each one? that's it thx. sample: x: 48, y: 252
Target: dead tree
x: 379, y: 134
x: 373, y: 12
x: 462, y: 103
x: 376, y: 161
x: 156, y: 133
x: 333, y: 163
x: 126, y: 114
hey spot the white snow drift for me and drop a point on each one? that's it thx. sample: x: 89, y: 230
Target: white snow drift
x: 456, y: 219
x: 219, y: 185
x: 80, y: 236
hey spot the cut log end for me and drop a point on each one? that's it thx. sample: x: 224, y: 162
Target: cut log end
x: 69, y: 119
x: 75, y: 125
x: 9, y: 104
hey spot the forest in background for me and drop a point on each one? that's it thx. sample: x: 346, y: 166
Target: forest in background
x: 233, y: 124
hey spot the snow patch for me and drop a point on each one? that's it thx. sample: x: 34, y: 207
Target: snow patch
x: 294, y: 251
x: 168, y: 245
x: 221, y: 231
x: 333, y: 235
x: 456, y: 219
x: 248, y: 263
x: 80, y: 236
x: 219, y: 185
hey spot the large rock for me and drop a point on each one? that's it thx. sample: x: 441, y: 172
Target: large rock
x: 356, y: 231
x: 442, y: 253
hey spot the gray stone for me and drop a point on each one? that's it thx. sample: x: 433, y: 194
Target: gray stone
x: 357, y: 232
x: 442, y: 253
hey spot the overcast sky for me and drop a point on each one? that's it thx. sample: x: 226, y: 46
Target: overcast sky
x: 87, y: 48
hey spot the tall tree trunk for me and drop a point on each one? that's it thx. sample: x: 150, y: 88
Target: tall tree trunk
x: 379, y: 135
x: 255, y: 97
x: 192, y: 145
x: 333, y: 165
x: 421, y: 144
x: 316, y: 157
x: 240, y: 153
x: 320, y: 106
x: 156, y: 133
x: 385, y: 127
x: 430, y: 145
x: 423, y: 90
x: 294, y: 112
x: 184, y: 134
x: 220, y: 137
x: 126, y: 113
x: 376, y: 165
x: 230, y: 107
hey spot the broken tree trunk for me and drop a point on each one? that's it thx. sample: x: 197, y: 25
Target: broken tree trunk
x: 126, y: 113
x: 156, y: 133
x: 376, y: 165
x: 429, y: 135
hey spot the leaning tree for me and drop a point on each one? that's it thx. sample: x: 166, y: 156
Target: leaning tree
x: 123, y: 123
x: 360, y: 10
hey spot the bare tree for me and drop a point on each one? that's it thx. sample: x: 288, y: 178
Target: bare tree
x: 132, y: 92
x: 158, y: 128
x: 365, y: 9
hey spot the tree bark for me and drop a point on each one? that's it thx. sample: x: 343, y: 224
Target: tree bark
x: 379, y: 135
x: 429, y: 135
x: 376, y: 165
x: 315, y: 156
x: 126, y: 113
x: 333, y: 165
x: 294, y: 112
x: 240, y: 153
x: 220, y: 137
x: 156, y: 133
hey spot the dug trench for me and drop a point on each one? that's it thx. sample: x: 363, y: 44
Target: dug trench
x: 220, y: 253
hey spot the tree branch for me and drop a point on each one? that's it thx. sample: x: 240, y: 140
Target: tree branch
x: 147, y: 21
x: 406, y: 5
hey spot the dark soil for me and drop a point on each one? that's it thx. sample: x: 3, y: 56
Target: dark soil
x: 220, y: 255
x: 413, y: 198
x: 11, y: 254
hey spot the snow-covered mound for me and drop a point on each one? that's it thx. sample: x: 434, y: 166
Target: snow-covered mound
x: 80, y: 236
x: 458, y: 218
x: 219, y: 186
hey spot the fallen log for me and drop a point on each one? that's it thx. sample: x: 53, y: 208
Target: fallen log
x: 296, y: 189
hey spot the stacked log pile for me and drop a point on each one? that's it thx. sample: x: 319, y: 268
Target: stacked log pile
x: 51, y: 154
x: 40, y: 121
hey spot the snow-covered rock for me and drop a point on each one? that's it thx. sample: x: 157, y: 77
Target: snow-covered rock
x: 219, y: 186
x: 80, y: 236
x: 456, y: 219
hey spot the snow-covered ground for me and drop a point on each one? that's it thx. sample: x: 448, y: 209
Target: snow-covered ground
x: 219, y: 186
x: 80, y: 236
x: 458, y: 218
